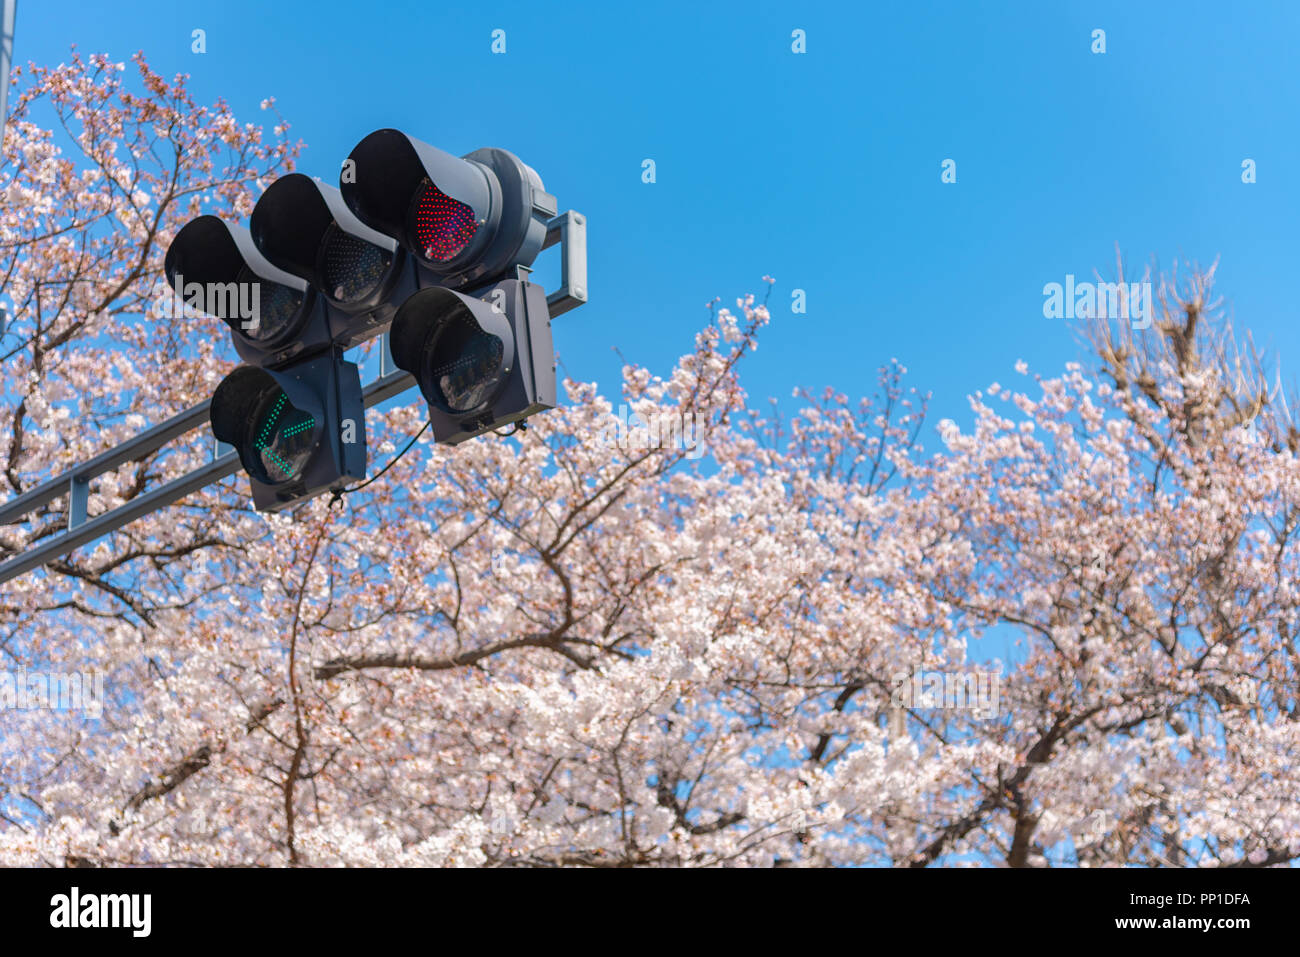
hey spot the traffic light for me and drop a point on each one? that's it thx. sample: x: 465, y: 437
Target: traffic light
x: 477, y: 334
x: 294, y: 413
x: 298, y: 431
x: 305, y: 228
x: 467, y: 222
x: 431, y: 248
x: 215, y: 268
x: 480, y: 363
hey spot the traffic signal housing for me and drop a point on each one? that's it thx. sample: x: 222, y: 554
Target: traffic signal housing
x: 299, y: 431
x: 274, y: 316
x: 304, y: 227
x: 294, y: 412
x: 476, y: 335
x: 467, y: 221
x: 481, y: 363
x: 434, y: 249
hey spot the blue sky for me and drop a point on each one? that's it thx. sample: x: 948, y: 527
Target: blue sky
x: 821, y: 169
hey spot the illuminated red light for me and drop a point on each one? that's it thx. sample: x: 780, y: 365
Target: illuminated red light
x: 443, y: 226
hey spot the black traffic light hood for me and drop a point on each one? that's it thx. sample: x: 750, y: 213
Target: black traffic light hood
x: 290, y: 225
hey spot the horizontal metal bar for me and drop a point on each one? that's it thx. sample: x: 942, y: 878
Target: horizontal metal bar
x: 386, y: 387
x: 376, y: 392
x: 147, y: 441
x: 140, y: 506
x: 554, y: 232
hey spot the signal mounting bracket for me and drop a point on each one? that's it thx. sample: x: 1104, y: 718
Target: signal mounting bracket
x: 569, y: 229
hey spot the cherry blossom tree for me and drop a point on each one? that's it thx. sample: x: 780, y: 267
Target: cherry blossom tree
x: 557, y: 649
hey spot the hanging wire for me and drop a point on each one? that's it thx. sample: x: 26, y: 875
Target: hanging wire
x: 337, y: 494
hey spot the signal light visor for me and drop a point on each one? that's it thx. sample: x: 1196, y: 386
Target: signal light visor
x: 459, y: 349
x: 274, y: 434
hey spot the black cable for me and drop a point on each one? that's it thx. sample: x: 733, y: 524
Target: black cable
x: 338, y: 493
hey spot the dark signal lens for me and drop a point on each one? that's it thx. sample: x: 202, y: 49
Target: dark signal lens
x: 464, y: 364
x: 351, y: 268
x: 282, y: 438
x: 442, y: 226
x: 277, y: 308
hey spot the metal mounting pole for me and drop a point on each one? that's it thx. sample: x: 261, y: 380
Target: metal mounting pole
x: 8, y: 14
